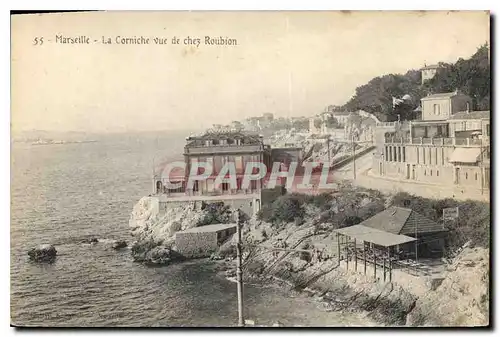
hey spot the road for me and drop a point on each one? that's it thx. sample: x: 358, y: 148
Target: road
x: 364, y: 178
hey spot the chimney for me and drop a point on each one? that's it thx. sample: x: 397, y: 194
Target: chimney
x: 468, y: 107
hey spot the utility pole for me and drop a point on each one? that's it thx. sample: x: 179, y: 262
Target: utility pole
x: 328, y: 145
x: 353, y: 156
x: 239, y: 274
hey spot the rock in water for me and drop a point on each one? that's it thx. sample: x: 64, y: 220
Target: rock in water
x: 119, y: 244
x: 43, y: 253
x: 153, y: 253
x: 90, y: 241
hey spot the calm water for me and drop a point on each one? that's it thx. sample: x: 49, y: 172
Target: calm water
x: 62, y: 194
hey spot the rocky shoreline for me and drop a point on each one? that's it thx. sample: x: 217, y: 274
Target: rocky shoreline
x: 460, y: 299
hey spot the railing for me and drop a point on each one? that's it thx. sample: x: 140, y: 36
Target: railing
x: 191, y: 193
x: 223, y: 148
x: 386, y: 123
x: 437, y: 141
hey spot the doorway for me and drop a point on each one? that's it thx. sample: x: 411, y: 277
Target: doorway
x: 457, y: 175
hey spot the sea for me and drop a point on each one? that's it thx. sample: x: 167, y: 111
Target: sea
x: 63, y: 194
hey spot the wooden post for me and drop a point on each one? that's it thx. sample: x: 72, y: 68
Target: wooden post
x: 364, y: 254
x: 374, y: 264
x: 353, y: 157
x: 355, y: 257
x: 390, y: 264
x: 383, y: 264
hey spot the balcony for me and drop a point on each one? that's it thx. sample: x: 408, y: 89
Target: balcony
x: 472, y: 142
x: 228, y: 148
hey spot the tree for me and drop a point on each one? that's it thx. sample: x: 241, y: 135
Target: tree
x: 471, y: 76
x: 301, y: 124
x: 332, y: 122
x: 317, y: 123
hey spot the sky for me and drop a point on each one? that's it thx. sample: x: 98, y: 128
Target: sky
x: 286, y: 63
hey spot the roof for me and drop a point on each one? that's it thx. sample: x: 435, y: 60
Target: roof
x: 399, y: 220
x: 373, y: 235
x: 441, y: 95
x: 209, y: 228
x: 465, y: 155
x: 432, y: 66
x: 471, y: 115
x: 340, y: 113
x: 248, y: 138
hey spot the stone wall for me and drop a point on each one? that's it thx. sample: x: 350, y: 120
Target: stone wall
x: 196, y: 244
x: 201, y: 244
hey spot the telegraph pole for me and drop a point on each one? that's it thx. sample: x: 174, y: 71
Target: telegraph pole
x: 239, y: 274
x: 328, y: 144
x: 353, y: 156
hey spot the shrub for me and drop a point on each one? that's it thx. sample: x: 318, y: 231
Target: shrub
x: 286, y: 208
x: 216, y: 213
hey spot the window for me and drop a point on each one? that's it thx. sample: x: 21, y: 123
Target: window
x: 437, y: 109
x: 425, y: 172
x: 395, y: 153
x: 466, y: 175
x: 431, y: 173
x: 390, y: 153
x: 225, y: 186
x: 437, y: 173
x: 475, y: 176
x: 418, y: 155
x: 399, y: 153
x: 442, y: 156
x: 423, y: 154
x: 386, y: 157
x: 404, y: 154
x: 488, y: 130
x: 435, y: 155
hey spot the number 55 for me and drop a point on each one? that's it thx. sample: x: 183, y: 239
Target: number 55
x: 38, y: 41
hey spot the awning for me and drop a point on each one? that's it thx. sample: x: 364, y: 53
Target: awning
x: 374, y: 236
x: 465, y: 155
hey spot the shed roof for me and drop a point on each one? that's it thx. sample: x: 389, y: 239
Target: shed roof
x: 441, y: 95
x: 399, y: 220
x: 471, y: 115
x: 465, y: 155
x: 209, y: 228
x: 374, y: 235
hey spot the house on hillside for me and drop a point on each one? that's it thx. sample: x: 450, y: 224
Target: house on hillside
x: 429, y: 71
x: 449, y: 146
x: 430, y: 236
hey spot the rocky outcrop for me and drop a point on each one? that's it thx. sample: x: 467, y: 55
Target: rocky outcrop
x: 462, y: 298
x: 153, y: 253
x: 155, y: 231
x: 459, y: 298
x: 148, y: 223
x: 43, y: 253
